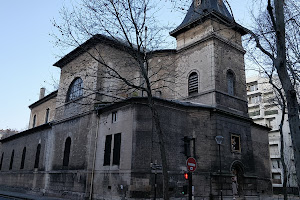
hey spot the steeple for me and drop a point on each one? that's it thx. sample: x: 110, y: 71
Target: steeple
x: 200, y: 10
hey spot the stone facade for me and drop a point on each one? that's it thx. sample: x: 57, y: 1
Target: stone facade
x: 101, y: 142
x: 43, y: 110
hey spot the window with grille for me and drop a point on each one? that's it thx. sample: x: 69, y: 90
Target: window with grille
x: 230, y: 82
x: 193, y: 83
x: 75, y: 90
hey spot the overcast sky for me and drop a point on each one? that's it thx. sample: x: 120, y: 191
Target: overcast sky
x: 27, y: 53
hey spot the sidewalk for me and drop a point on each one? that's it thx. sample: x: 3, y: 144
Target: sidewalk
x: 27, y: 196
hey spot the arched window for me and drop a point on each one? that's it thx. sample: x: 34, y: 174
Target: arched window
x: 230, y: 82
x: 47, y: 115
x: 75, y: 89
x: 37, y: 156
x: 1, y: 160
x: 67, y: 152
x: 193, y: 83
x: 11, y: 159
x: 33, y: 121
x: 23, y: 158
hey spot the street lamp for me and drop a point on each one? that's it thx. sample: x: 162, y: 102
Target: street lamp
x: 219, y: 140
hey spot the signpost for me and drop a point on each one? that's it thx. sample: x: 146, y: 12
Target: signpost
x: 191, y: 165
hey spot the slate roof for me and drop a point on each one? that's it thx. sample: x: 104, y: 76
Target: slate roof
x: 199, y: 13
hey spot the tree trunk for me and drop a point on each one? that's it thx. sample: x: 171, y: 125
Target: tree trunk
x: 290, y: 93
x: 282, y: 154
x: 163, y: 155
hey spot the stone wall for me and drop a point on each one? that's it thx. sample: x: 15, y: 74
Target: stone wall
x: 40, y: 111
x: 28, y: 178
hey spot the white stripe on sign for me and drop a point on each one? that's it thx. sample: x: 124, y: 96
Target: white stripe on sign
x: 191, y: 164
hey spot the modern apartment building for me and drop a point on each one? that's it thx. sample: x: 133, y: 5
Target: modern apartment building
x: 264, y: 108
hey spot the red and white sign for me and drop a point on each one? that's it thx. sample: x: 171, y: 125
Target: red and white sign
x: 191, y: 164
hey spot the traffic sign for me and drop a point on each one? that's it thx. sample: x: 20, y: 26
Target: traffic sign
x: 191, y: 164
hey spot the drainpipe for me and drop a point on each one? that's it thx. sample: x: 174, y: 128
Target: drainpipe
x: 94, y: 161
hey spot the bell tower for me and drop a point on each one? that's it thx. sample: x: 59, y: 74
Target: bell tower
x: 210, y: 60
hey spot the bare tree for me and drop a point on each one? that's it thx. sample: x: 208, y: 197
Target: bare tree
x: 133, y: 28
x: 277, y: 38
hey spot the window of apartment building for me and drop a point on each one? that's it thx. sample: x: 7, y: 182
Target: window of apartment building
x: 276, y: 178
x: 271, y: 112
x: 270, y: 122
x: 254, y: 99
x: 23, y: 158
x: 230, y: 82
x: 235, y: 143
x: 34, y: 121
x: 67, y: 151
x: 75, y: 90
x: 275, y: 163
x: 252, y: 88
x: 193, y: 83
x: 116, y: 149
x: 11, y: 159
x: 1, y: 160
x: 37, y: 156
x: 254, y: 113
x: 47, y: 115
x: 114, y: 117
x: 274, y: 150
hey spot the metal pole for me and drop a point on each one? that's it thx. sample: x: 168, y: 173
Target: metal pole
x: 190, y: 186
x: 221, y: 182
x: 155, y: 184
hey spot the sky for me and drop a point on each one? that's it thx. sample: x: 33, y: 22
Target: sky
x: 27, y: 53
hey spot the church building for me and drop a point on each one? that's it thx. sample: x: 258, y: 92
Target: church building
x: 92, y: 139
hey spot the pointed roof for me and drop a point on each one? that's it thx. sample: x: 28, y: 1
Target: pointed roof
x: 198, y: 13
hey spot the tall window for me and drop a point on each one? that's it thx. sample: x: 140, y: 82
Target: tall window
x: 107, y: 150
x: 67, y: 152
x: 11, y: 159
x: 37, y: 156
x: 230, y: 82
x: 235, y: 143
x: 114, y: 117
x: 34, y: 121
x: 117, y: 149
x: 75, y: 89
x: 193, y: 83
x: 47, y: 115
x: 23, y: 158
x: 1, y: 160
